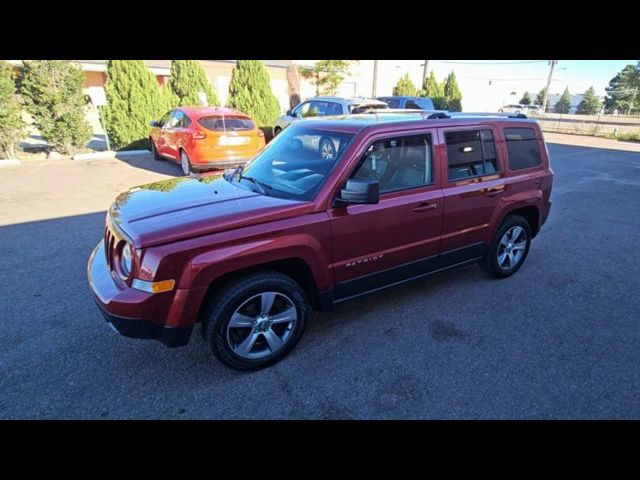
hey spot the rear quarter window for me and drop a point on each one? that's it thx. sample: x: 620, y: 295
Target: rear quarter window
x: 522, y: 148
x: 226, y: 124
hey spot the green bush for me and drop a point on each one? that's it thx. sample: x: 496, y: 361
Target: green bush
x: 187, y: 79
x: 250, y: 92
x: 134, y: 99
x: 11, y: 123
x: 452, y: 94
x: 405, y: 87
x: 53, y: 91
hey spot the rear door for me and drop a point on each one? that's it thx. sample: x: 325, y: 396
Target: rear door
x: 473, y: 184
x: 169, y: 132
x: 398, y: 238
x: 161, y: 141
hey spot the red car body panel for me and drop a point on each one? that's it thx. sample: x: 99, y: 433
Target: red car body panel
x: 204, y: 228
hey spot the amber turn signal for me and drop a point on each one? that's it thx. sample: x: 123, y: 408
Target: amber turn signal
x: 153, y: 287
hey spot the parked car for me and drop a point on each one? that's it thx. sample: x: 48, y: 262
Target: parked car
x: 533, y: 110
x: 323, y: 106
x: 513, y: 108
x: 202, y: 138
x: 248, y: 254
x: 416, y: 103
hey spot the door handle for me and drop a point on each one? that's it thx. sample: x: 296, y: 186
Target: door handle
x: 425, y: 207
x: 493, y: 191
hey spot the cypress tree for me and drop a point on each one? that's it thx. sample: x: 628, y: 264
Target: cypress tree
x: 452, y: 94
x: 53, y: 91
x: 435, y: 90
x: 187, y: 79
x: 405, y: 87
x: 134, y: 99
x: 250, y: 92
x: 590, y: 104
x: 526, y: 99
x: 564, y: 104
x: 11, y: 124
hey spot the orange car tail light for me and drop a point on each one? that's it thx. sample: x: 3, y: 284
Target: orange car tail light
x: 199, y: 135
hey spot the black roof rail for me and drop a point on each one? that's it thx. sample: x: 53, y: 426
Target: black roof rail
x: 518, y: 115
x: 438, y: 115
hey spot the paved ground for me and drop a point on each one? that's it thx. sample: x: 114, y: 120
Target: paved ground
x: 558, y: 340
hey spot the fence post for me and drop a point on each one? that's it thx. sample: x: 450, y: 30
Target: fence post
x: 597, y: 123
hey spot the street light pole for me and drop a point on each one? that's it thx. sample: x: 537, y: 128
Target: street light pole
x: 375, y: 78
x: 546, y: 91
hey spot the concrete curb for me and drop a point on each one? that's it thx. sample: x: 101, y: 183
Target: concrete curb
x: 5, y: 162
x: 108, y: 154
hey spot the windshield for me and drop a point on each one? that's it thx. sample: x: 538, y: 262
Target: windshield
x: 296, y: 163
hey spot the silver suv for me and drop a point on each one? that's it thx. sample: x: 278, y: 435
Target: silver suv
x: 323, y: 106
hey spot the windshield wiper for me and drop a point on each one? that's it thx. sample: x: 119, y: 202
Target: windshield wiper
x: 258, y: 183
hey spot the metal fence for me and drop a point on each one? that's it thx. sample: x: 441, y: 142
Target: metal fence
x: 601, y: 124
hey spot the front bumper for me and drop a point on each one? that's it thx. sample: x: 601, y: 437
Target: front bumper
x: 126, y: 309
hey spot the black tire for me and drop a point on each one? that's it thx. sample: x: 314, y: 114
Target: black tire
x: 224, y: 303
x: 489, y: 262
x: 331, y: 148
x: 189, y: 168
x: 276, y: 131
x: 154, y: 151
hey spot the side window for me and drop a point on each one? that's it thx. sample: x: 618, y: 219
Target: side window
x: 174, y: 119
x: 470, y: 153
x: 522, y: 148
x: 398, y: 163
x: 425, y: 103
x: 302, y: 109
x: 185, y: 121
x: 318, y: 109
x: 334, y: 108
x: 411, y: 104
x: 165, y: 119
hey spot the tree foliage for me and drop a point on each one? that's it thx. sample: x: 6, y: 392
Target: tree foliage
x: 452, y: 94
x: 564, y: 104
x: 250, y: 92
x: 540, y: 98
x: 590, y: 104
x: 188, y: 77
x: 526, y: 99
x: 435, y: 90
x: 134, y: 99
x: 11, y: 123
x: 327, y: 75
x: 405, y: 87
x: 53, y: 92
x: 623, y: 91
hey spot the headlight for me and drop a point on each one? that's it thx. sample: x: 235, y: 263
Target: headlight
x: 125, y: 260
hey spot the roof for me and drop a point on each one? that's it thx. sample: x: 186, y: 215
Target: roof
x: 199, y: 112
x: 351, y: 100
x: 356, y: 123
x: 404, y: 97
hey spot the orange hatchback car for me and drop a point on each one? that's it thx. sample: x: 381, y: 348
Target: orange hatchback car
x: 203, y: 138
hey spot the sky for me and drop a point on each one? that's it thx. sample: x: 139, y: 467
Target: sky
x: 508, y: 76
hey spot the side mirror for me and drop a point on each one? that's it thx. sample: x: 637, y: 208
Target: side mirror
x: 358, y: 191
x: 289, y: 113
x: 154, y: 123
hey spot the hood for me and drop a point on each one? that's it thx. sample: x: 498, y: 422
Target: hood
x: 187, y: 207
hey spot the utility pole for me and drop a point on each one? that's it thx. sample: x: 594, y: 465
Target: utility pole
x: 424, y: 71
x: 546, y: 92
x: 375, y: 78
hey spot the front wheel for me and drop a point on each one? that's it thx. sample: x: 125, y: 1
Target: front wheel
x: 509, y: 248
x: 256, y: 320
x: 154, y: 150
x: 276, y: 131
x: 327, y: 149
x: 185, y: 163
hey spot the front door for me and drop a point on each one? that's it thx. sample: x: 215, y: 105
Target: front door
x: 398, y: 238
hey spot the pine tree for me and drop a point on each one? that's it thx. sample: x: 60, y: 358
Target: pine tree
x: 11, y: 123
x: 405, y: 87
x: 134, y: 99
x: 452, y: 94
x: 540, y: 99
x: 250, y: 92
x: 435, y: 90
x: 187, y: 79
x: 590, y: 104
x: 526, y: 99
x: 53, y: 92
x: 564, y: 104
x: 623, y: 91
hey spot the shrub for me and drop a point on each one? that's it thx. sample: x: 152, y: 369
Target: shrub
x: 405, y: 87
x: 11, y: 123
x: 134, y: 99
x: 53, y: 91
x: 452, y: 94
x: 250, y: 92
x: 187, y: 79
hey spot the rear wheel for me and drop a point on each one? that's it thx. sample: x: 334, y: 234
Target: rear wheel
x: 256, y: 320
x: 276, y: 131
x: 509, y: 248
x: 185, y: 163
x: 327, y: 149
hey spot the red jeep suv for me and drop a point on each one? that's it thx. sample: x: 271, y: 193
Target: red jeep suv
x: 331, y: 209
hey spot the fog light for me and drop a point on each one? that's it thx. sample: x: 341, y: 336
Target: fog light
x: 153, y: 287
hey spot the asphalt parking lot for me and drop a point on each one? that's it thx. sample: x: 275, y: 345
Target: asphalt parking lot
x: 560, y: 339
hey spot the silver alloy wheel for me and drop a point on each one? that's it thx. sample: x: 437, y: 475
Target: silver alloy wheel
x: 184, y: 162
x: 511, y: 247
x: 327, y: 150
x: 262, y: 325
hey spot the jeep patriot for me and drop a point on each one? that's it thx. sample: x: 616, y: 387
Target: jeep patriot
x: 333, y: 208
